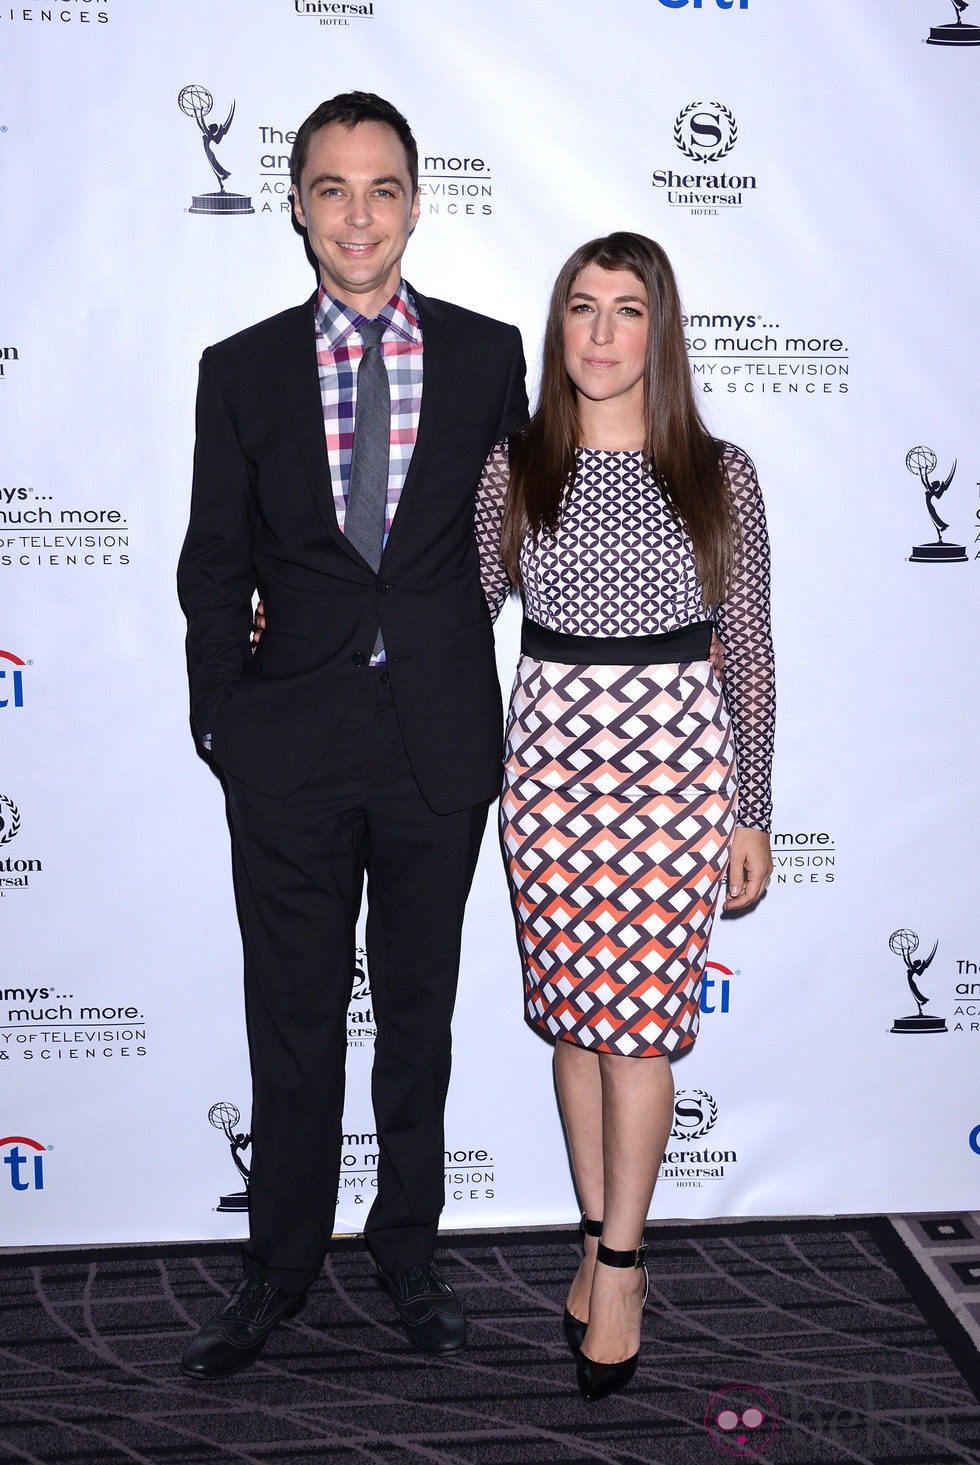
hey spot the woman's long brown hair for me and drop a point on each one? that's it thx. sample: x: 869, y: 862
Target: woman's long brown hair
x: 679, y: 452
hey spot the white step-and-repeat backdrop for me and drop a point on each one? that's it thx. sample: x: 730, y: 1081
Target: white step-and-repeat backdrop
x: 811, y: 170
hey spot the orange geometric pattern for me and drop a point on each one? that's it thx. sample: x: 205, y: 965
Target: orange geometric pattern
x: 616, y: 817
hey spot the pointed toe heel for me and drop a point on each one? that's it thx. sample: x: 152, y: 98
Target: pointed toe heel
x: 597, y: 1380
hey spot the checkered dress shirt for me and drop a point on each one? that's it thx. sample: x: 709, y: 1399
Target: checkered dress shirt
x: 338, y: 351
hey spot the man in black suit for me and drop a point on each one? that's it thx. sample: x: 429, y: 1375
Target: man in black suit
x: 364, y: 734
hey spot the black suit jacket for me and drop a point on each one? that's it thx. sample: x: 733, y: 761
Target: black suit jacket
x: 262, y: 516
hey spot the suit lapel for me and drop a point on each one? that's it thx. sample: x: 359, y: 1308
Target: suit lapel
x: 438, y: 342
x: 299, y: 385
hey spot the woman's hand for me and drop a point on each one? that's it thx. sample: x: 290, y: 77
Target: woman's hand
x: 749, y: 867
x: 717, y: 656
x: 258, y: 625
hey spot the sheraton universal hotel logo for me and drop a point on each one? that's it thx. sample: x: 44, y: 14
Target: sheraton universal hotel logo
x: 705, y: 133
x: 347, y: 12
x: 17, y: 869
x: 9, y: 356
x: 333, y: 12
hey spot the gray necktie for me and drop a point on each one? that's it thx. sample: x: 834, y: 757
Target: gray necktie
x: 367, y: 492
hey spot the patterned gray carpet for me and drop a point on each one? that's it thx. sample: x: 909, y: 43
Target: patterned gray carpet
x: 777, y: 1341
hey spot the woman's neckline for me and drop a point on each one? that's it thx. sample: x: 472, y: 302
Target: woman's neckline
x: 612, y: 452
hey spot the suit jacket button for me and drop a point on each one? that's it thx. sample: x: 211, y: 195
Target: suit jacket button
x: 359, y: 659
x: 383, y: 586
x: 385, y: 678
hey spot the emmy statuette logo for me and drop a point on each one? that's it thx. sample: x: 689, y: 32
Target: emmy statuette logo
x: 224, y: 1117
x: 197, y: 102
x: 956, y: 34
x: 905, y: 944
x: 921, y: 462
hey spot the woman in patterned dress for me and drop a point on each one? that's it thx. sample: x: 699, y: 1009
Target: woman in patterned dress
x: 629, y: 530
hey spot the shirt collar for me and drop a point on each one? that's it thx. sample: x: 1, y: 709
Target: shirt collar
x: 336, y: 322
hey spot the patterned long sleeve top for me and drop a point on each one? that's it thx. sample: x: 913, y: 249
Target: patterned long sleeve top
x: 619, y: 565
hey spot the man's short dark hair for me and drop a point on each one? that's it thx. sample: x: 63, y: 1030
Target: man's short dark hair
x: 350, y: 108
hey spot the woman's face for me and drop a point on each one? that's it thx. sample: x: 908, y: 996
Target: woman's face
x: 606, y: 325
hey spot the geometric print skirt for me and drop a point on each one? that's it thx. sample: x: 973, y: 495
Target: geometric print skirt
x: 616, y: 818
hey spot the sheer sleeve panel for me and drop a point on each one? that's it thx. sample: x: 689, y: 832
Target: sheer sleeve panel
x: 745, y: 627
x: 489, y: 518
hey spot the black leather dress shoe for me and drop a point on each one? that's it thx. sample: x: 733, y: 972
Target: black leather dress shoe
x: 237, y: 1333
x: 430, y: 1312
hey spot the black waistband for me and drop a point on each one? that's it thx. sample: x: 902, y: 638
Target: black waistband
x: 689, y: 643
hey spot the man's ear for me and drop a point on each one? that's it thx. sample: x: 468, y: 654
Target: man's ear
x: 299, y: 216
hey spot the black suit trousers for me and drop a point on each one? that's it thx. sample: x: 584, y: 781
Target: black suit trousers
x: 299, y: 867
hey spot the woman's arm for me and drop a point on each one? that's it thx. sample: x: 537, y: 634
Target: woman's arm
x: 744, y: 627
x: 490, y: 498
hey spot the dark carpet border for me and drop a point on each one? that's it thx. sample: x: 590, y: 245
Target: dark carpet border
x: 447, y: 1241
x: 954, y: 1338
x: 929, y: 1300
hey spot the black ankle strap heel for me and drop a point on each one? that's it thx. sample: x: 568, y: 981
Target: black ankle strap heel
x: 609, y: 1258
x: 598, y: 1380
x: 573, y: 1327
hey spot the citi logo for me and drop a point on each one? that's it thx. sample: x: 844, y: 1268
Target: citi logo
x: 716, y: 990
x: 24, y: 1165
x: 11, y: 680
x: 706, y: 4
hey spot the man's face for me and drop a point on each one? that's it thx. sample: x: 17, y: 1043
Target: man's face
x: 356, y: 203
